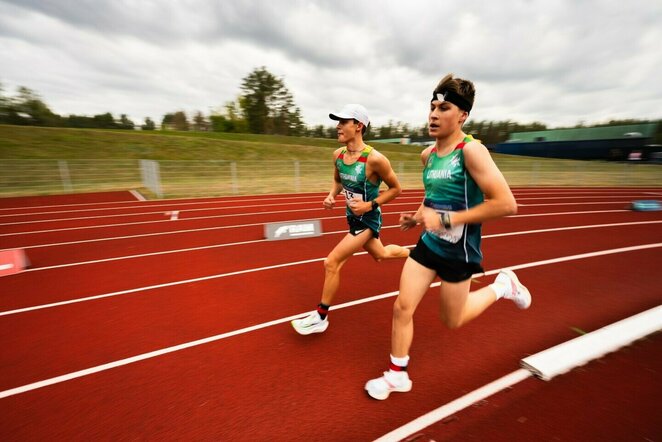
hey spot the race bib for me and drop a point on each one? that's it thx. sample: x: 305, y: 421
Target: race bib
x: 452, y: 235
x: 350, y: 194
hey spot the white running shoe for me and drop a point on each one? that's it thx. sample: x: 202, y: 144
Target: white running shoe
x: 380, y: 388
x: 310, y: 324
x: 516, y: 291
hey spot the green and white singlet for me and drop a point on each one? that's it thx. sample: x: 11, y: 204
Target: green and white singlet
x: 355, y: 183
x: 450, y: 187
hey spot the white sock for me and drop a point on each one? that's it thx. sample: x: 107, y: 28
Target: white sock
x: 400, y: 362
x: 499, y: 289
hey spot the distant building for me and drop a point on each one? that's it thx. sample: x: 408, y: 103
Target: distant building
x: 586, y: 143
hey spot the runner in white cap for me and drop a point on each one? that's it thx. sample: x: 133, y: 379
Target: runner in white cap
x: 359, y: 171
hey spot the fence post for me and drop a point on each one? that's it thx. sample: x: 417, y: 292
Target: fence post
x: 535, y: 167
x: 233, y: 175
x: 64, y: 176
x: 151, y: 177
x: 296, y: 177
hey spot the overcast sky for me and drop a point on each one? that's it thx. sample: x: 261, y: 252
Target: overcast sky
x: 558, y: 62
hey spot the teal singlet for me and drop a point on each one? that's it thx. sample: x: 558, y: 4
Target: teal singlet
x: 450, y: 187
x: 355, y: 183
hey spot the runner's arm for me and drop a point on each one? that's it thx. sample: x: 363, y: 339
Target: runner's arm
x: 336, y: 187
x: 499, y: 200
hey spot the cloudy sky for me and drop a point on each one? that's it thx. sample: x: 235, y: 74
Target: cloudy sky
x: 558, y: 62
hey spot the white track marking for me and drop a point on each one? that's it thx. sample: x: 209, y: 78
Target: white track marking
x: 453, y: 407
x: 546, y: 364
x: 201, y: 229
x: 182, y: 201
x: 169, y: 204
x: 577, y: 203
x: 337, y: 232
x: 137, y: 195
x: 411, y: 193
x: 308, y: 261
x: 163, y: 351
x: 234, y: 215
x: 31, y: 232
x: 169, y: 207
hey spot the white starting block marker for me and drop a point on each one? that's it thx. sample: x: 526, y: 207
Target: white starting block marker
x: 13, y: 261
x: 173, y: 215
x: 292, y: 229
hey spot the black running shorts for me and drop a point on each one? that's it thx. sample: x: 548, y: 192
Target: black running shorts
x: 449, y: 270
x: 356, y: 227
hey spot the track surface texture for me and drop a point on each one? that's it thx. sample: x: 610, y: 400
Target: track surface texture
x: 129, y: 324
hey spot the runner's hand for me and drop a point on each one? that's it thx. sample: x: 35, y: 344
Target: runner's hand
x: 329, y: 202
x: 358, y: 206
x: 407, y: 221
x: 430, y: 220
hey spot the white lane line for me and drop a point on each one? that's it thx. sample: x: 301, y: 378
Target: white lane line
x: 234, y: 215
x: 453, y: 407
x: 580, y: 197
x: 181, y: 201
x: 156, y: 286
x: 169, y: 207
x: 337, y: 232
x: 546, y: 364
x: 31, y: 232
x: 137, y: 195
x: 579, y: 203
x: 156, y: 353
x: 169, y: 204
x: 410, y: 193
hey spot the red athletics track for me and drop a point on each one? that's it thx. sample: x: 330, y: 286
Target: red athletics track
x: 271, y: 384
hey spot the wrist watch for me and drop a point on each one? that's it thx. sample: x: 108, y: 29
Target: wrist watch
x: 445, y: 219
x: 375, y: 204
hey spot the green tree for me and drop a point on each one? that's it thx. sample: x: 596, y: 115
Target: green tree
x: 199, y: 122
x: 149, y: 124
x: 125, y: 123
x: 268, y: 106
x: 28, y: 108
x: 230, y: 119
x: 166, y: 122
x: 179, y: 121
x: 4, y: 105
x: 105, y: 121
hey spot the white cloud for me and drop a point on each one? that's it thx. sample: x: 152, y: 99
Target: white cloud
x: 532, y: 60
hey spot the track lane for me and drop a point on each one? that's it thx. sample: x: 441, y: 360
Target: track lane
x: 78, y: 252
x: 166, y: 316
x: 199, y: 393
x: 138, y: 420
x: 54, y: 285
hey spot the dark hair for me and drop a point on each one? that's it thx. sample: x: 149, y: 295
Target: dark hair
x: 365, y: 128
x: 464, y: 88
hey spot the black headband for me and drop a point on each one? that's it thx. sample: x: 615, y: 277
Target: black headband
x: 452, y: 97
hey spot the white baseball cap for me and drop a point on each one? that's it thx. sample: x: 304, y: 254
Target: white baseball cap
x: 352, y: 112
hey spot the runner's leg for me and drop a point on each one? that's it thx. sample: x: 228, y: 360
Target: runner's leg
x: 414, y: 284
x: 378, y: 251
x: 459, y: 306
x: 337, y: 258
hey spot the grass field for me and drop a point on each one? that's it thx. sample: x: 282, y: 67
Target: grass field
x: 36, y: 160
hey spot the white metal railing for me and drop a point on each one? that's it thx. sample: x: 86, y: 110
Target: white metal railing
x: 219, y: 177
